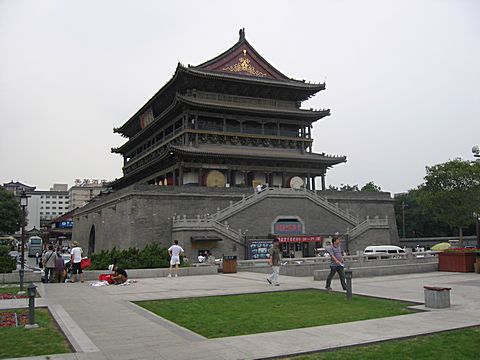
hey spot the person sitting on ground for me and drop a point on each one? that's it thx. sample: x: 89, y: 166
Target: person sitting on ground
x: 119, y: 274
x: 201, y: 258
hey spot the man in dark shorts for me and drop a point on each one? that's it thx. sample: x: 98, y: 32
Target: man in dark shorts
x: 76, y: 254
x: 119, y: 274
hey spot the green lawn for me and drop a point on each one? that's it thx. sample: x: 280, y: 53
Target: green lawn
x: 453, y: 345
x: 45, y: 340
x: 221, y: 316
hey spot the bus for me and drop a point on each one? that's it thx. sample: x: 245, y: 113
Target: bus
x: 34, y: 245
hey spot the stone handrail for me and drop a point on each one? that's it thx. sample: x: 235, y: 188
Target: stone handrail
x: 246, y: 201
x: 207, y: 224
x: 221, y: 215
x: 366, y: 225
x: 349, y: 259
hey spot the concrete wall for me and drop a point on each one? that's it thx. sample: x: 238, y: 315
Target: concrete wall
x: 381, y: 270
x: 365, y: 204
x: 14, y: 278
x: 90, y: 275
x: 138, y: 216
x: 370, y: 237
x: 142, y: 214
x: 361, y: 267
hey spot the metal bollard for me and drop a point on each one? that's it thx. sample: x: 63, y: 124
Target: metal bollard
x: 348, y: 277
x: 21, y: 272
x: 32, y: 291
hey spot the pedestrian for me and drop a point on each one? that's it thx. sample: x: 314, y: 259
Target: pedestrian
x: 119, y: 274
x: 275, y: 261
x: 49, y: 264
x: 210, y: 258
x: 76, y: 254
x: 174, y: 251
x: 59, y: 268
x: 37, y: 258
x: 336, y: 263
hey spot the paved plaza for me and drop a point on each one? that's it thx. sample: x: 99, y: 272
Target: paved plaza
x: 103, y: 323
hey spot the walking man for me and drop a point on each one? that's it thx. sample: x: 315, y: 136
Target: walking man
x: 275, y: 260
x: 49, y: 264
x: 174, y: 251
x: 336, y: 263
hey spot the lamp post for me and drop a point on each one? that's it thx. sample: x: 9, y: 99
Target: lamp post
x: 476, y: 215
x: 403, y: 217
x: 23, y: 205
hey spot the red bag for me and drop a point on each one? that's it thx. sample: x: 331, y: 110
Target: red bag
x: 85, y: 263
x: 106, y: 277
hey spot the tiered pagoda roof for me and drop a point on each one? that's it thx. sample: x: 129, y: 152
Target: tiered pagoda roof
x: 239, y: 70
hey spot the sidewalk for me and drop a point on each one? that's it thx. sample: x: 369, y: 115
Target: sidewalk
x: 102, y: 323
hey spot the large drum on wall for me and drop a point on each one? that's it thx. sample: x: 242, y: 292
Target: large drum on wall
x: 215, y: 178
x: 296, y: 182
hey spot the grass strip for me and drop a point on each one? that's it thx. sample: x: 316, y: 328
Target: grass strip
x: 10, y: 290
x: 461, y: 344
x: 234, y: 315
x: 45, y: 340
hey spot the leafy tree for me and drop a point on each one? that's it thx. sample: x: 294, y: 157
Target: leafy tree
x: 419, y: 221
x: 452, y: 193
x: 7, y: 263
x: 371, y: 187
x: 10, y: 217
x: 344, y: 187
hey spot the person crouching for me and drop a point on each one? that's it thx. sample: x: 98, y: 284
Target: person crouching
x: 119, y: 274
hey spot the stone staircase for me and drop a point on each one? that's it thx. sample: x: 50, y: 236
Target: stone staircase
x: 207, y: 224
x: 366, y: 225
x: 217, y: 221
x: 223, y: 214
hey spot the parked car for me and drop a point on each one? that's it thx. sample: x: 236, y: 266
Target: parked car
x: 382, y: 249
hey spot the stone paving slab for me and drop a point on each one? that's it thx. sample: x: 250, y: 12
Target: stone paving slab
x: 114, y: 328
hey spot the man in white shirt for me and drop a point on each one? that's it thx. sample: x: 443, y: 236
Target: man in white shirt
x: 174, y: 251
x: 76, y: 254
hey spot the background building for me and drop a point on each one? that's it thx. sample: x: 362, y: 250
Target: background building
x: 43, y: 205
x: 83, y: 191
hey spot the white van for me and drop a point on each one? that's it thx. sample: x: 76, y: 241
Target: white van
x: 383, y: 249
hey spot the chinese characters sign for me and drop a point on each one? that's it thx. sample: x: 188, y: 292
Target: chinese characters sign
x: 298, y: 239
x: 288, y: 227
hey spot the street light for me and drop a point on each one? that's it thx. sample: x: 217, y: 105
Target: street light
x: 476, y: 215
x: 403, y: 217
x: 476, y: 150
x: 23, y: 205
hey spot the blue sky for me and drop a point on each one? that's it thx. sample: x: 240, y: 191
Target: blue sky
x: 402, y: 78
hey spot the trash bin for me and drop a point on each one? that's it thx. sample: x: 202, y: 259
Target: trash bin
x: 229, y: 264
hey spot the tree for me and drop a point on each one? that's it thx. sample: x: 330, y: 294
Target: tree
x: 419, y: 221
x: 452, y: 193
x: 10, y: 217
x: 368, y: 187
x: 344, y: 187
x: 371, y: 187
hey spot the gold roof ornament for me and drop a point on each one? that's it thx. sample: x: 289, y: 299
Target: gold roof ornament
x: 244, y: 65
